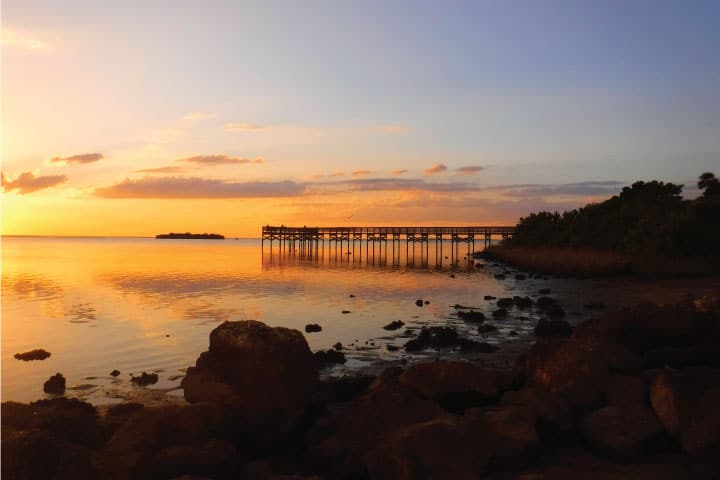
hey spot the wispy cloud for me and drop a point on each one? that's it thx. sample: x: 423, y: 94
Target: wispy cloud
x: 243, y: 127
x: 220, y: 160
x: 27, y: 182
x: 435, y: 169
x: 194, y: 116
x: 360, y: 173
x: 582, y: 189
x: 168, y: 169
x: 192, y: 187
x: 399, y: 171
x: 336, y: 175
x: 78, y: 159
x: 470, y: 170
x: 14, y: 39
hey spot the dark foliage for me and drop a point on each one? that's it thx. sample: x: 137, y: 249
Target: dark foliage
x: 647, y: 218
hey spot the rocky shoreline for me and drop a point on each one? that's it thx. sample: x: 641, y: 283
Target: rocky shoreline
x: 630, y: 394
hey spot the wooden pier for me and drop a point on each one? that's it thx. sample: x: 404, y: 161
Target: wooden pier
x: 310, y: 241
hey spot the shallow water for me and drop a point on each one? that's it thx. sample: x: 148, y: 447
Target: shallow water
x: 99, y: 304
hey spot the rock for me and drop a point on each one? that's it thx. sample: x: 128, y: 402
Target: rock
x: 701, y: 437
x: 264, y: 376
x: 55, y: 385
x: 674, y: 395
x: 338, y: 346
x: 145, y: 379
x: 552, y: 328
x: 520, y: 277
x: 487, y: 328
x: 37, y: 354
x: 522, y: 302
x: 626, y: 390
x: 392, y: 348
x: 468, y: 345
x: 115, y: 373
x: 328, y: 358
x: 214, y: 458
x: 450, y: 383
x: 500, y: 313
x: 419, y: 303
x: 550, y: 307
x: 594, y: 306
x: 499, y: 276
x: 489, y: 297
x: 394, y: 325
x: 544, y: 291
x: 352, y: 296
x: 505, y: 302
x: 555, y: 421
x: 312, y: 327
x: 471, y: 315
x: 452, y: 275
x: 622, y: 430
x: 510, y: 434
x: 433, y: 337
x: 427, y: 302
x: 345, y: 312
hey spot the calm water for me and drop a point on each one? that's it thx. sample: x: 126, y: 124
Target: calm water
x: 148, y: 305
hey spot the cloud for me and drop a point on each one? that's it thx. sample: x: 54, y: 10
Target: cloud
x: 435, y: 169
x: 193, y: 116
x: 27, y: 182
x: 581, y: 189
x: 78, y: 159
x: 169, y: 169
x: 470, y: 170
x: 220, y: 160
x: 336, y: 174
x: 392, y: 128
x: 399, y: 171
x: 243, y: 127
x: 14, y: 39
x: 360, y: 173
x: 193, y: 187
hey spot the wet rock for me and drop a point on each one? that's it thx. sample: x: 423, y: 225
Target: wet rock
x: 419, y: 303
x: 352, y: 296
x: 37, y: 354
x: 345, y: 312
x: 489, y: 297
x: 328, y: 358
x: 622, y: 430
x: 338, y: 346
x: 392, y: 348
x: 145, y: 379
x: 522, y: 302
x: 499, y: 276
x: 264, y: 376
x: 500, y: 313
x: 472, y: 346
x: 552, y: 328
x: 394, y: 325
x: 458, y: 385
x: 505, y: 302
x: 115, y: 373
x: 675, y: 394
x: 312, y: 328
x: 512, y: 333
x: 701, y: 437
x: 427, y: 302
x: 433, y: 337
x: 487, y: 328
x: 55, y: 385
x: 544, y: 291
x: 471, y: 315
x: 520, y: 277
x: 550, y: 307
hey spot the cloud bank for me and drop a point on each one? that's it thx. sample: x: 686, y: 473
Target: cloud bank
x: 27, y: 182
x: 193, y: 187
x: 470, y: 170
x: 78, y: 159
x: 220, y: 160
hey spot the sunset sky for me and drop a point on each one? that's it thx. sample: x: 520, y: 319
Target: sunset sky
x: 142, y: 117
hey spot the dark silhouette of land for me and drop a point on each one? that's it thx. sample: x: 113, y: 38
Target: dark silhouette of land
x: 190, y: 236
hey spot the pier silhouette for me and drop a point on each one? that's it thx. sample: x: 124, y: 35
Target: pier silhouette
x: 375, y: 244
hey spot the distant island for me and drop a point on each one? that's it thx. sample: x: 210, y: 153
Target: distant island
x: 191, y: 236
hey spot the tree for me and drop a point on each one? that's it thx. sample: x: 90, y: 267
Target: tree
x: 709, y: 184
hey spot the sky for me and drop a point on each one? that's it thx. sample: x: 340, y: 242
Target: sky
x: 143, y: 117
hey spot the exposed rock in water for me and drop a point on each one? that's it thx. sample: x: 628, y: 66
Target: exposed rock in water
x: 264, y: 376
x: 312, y: 327
x: 55, y: 385
x: 115, y: 373
x: 523, y: 302
x: 338, y: 346
x: 506, y: 302
x: 489, y: 297
x: 553, y: 328
x: 145, y: 379
x: 37, y: 354
x: 487, y: 328
x: 500, y: 313
x: 520, y: 277
x: 471, y: 315
x: 419, y: 303
x: 345, y: 312
x: 328, y: 358
x: 427, y: 302
x: 499, y: 276
x: 394, y: 325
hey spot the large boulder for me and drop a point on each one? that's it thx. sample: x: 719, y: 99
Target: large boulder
x: 265, y: 376
x: 674, y: 395
x: 622, y: 430
x: 702, y: 435
x: 455, y: 385
x: 554, y: 419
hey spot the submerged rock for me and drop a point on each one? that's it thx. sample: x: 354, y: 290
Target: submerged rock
x: 37, y: 354
x: 312, y: 327
x: 55, y: 385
